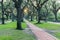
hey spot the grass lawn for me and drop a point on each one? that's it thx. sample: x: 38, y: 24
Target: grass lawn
x: 57, y: 34
x: 49, y: 26
x: 8, y: 32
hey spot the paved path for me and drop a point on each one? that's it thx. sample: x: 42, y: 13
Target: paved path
x: 40, y: 33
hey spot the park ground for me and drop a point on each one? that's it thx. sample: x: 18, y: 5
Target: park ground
x: 52, y: 28
x: 8, y: 31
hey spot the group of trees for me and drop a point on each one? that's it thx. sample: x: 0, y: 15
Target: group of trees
x: 6, y: 11
x: 44, y: 8
x: 34, y: 9
x: 10, y: 8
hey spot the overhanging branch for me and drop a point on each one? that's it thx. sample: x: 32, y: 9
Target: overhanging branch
x: 44, y: 2
x: 58, y: 9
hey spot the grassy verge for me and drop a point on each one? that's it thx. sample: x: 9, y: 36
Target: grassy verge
x: 48, y: 26
x: 11, y: 25
x: 57, y: 34
x: 9, y: 32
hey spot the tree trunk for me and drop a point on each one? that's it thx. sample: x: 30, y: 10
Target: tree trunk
x: 22, y: 16
x: 19, y: 19
x: 7, y: 17
x: 2, y: 13
x: 56, y: 19
x: 10, y: 15
x: 13, y: 17
x: 19, y: 13
x: 28, y: 16
x: 39, y: 19
x: 39, y: 15
x: 36, y: 17
x: 31, y: 16
x: 46, y: 15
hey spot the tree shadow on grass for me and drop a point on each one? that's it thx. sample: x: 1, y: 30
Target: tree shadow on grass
x: 38, y: 23
x: 19, y: 29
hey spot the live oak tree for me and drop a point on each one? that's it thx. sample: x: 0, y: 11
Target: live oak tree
x: 19, y: 12
x: 2, y: 12
x: 38, y: 7
x: 46, y: 10
x: 55, y: 9
x: 6, y: 8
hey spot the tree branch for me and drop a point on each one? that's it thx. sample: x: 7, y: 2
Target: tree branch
x: 33, y: 5
x: 58, y: 9
x: 44, y: 2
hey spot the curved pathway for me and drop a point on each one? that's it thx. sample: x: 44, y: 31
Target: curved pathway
x: 40, y: 33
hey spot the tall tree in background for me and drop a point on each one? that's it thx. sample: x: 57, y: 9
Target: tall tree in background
x: 38, y: 7
x: 2, y: 12
x: 55, y: 9
x: 46, y: 12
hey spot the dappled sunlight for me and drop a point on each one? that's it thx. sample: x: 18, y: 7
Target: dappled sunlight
x: 26, y: 10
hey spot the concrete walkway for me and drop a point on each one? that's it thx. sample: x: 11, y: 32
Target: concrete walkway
x: 40, y: 33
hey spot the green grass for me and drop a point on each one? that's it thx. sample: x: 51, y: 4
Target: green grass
x: 57, y: 34
x: 8, y: 32
x: 11, y: 25
x: 24, y: 25
x: 48, y: 26
x: 8, y: 26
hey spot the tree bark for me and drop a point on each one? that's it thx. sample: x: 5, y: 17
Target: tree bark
x: 19, y: 19
x: 2, y: 13
x: 31, y: 16
x: 19, y: 13
x: 39, y: 15
x: 7, y: 17
x: 56, y: 19
x: 22, y: 15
